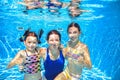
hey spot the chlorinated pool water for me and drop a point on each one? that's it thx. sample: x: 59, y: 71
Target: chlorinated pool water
x: 100, y: 31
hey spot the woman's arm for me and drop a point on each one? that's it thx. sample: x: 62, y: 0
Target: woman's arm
x: 64, y: 52
x: 42, y: 52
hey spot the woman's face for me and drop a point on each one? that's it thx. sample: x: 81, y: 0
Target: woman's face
x: 73, y: 34
x: 54, y: 41
x: 31, y: 43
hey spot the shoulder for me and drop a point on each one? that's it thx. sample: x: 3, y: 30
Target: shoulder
x: 82, y: 45
x: 21, y: 53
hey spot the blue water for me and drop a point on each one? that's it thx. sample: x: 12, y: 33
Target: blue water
x: 100, y: 31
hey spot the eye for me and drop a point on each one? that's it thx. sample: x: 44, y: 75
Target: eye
x: 29, y: 42
x: 51, y: 39
x: 75, y: 32
x: 70, y: 32
x: 57, y: 40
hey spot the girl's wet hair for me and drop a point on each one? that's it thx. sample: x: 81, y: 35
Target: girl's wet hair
x: 30, y: 33
x: 53, y: 32
x: 24, y: 35
x: 75, y: 25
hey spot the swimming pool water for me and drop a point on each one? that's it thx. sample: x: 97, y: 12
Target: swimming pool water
x: 100, y: 31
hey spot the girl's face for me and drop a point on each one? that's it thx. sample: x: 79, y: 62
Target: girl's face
x: 31, y: 43
x: 54, y: 41
x: 73, y: 34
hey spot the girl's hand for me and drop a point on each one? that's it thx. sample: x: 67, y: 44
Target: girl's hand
x: 81, y: 59
x: 21, y: 68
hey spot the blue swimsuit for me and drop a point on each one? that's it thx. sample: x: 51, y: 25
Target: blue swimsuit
x: 49, y: 4
x: 53, y: 67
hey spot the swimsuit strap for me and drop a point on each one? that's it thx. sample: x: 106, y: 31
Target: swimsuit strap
x: 47, y: 56
x: 35, y: 50
x: 60, y: 55
x: 26, y: 53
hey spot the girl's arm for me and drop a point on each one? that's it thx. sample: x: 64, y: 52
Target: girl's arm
x: 16, y: 60
x: 87, y: 61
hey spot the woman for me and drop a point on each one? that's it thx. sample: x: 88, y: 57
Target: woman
x: 77, y: 55
x: 28, y: 59
x: 53, y: 56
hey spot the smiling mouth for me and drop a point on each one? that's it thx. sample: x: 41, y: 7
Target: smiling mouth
x: 72, y: 38
x: 54, y: 46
